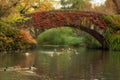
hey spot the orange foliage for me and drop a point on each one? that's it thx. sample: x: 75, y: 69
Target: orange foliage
x: 26, y: 36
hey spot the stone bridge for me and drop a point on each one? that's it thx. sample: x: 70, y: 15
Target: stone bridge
x: 89, y: 22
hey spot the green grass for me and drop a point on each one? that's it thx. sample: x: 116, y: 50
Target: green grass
x: 59, y: 36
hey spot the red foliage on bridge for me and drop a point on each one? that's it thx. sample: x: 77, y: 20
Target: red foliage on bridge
x: 86, y: 21
x: 49, y: 19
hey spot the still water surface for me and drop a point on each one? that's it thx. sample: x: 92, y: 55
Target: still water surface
x: 58, y: 63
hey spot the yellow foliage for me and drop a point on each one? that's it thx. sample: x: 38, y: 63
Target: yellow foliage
x: 113, y: 21
x: 37, y: 5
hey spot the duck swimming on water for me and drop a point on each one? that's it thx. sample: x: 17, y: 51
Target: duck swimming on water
x: 27, y: 54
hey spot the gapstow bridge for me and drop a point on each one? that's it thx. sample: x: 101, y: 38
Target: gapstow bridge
x: 89, y: 22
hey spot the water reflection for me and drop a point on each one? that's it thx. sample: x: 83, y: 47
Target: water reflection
x: 85, y: 65
x: 16, y: 60
x: 81, y: 66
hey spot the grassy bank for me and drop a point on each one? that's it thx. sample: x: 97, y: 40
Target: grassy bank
x: 60, y: 36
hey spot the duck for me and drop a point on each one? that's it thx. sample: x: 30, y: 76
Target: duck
x: 62, y: 49
x: 5, y: 69
x: 51, y: 54
x: 17, y: 67
x: 27, y: 54
x: 32, y: 67
x: 68, y: 50
x: 75, y: 52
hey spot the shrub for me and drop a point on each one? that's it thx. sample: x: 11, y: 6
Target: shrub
x: 113, y: 38
x: 13, y: 39
x: 112, y: 34
x: 112, y: 21
x: 59, y: 36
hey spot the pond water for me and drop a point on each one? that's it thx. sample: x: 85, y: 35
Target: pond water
x: 60, y: 63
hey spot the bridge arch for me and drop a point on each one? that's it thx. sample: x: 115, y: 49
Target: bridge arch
x: 85, y: 21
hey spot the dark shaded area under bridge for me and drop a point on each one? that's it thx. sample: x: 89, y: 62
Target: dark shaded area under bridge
x: 89, y: 22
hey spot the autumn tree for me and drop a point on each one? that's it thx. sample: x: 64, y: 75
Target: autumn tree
x: 75, y: 4
x: 107, y: 7
x: 117, y: 5
x: 9, y: 32
x: 31, y: 6
x: 7, y: 6
x: 26, y: 6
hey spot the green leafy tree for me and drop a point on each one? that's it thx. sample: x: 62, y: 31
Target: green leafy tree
x: 75, y: 4
x: 59, y: 36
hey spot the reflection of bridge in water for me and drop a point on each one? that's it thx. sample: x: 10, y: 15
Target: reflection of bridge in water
x: 87, y: 21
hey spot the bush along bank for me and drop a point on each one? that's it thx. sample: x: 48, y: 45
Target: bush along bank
x: 12, y: 38
x: 112, y: 33
x: 113, y: 38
